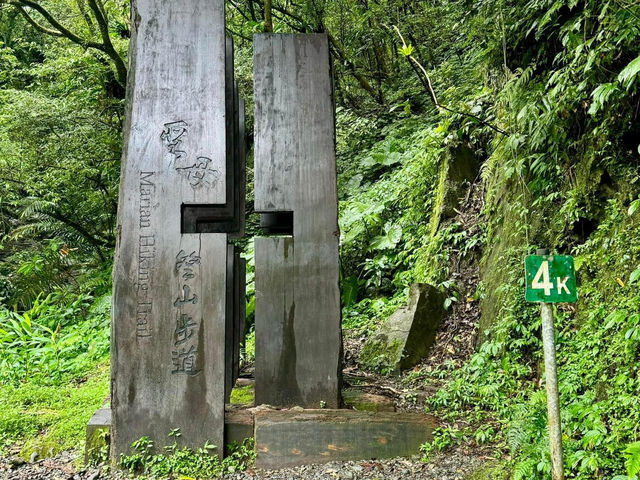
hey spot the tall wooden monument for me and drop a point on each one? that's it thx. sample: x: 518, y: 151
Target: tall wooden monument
x: 298, y: 335
x: 176, y: 302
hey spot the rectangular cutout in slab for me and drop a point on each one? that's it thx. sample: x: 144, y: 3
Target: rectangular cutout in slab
x: 276, y: 223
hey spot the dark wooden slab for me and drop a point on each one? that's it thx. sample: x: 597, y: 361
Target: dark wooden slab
x: 298, y: 335
x: 288, y: 438
x: 168, y: 330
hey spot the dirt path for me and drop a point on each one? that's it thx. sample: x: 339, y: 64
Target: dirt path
x: 456, y: 464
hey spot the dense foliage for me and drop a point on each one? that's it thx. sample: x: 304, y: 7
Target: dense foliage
x: 545, y: 93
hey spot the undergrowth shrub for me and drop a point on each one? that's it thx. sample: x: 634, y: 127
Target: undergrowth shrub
x: 59, y: 338
x: 203, y: 462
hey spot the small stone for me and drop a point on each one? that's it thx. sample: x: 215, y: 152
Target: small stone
x: 16, y: 462
x: 245, y: 382
x: 367, y: 402
x: 93, y: 476
x: 33, y: 457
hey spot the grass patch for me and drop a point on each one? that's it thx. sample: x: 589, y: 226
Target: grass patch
x: 243, y: 395
x: 49, y: 419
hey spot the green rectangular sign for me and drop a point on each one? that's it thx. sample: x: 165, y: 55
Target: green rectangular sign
x: 550, y: 279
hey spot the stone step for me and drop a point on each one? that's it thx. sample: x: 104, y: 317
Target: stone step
x: 287, y: 438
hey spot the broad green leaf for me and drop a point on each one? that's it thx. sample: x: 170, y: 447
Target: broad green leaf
x: 629, y: 73
x: 632, y: 454
x: 390, y: 238
x: 600, y: 96
x: 350, y: 287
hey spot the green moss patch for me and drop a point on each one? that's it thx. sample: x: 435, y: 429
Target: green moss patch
x: 380, y: 356
x: 49, y: 419
x: 245, y: 395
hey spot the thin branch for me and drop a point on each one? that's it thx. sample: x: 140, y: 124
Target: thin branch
x: 103, y: 25
x: 95, y: 242
x: 349, y: 64
x: 237, y: 7
x: 284, y: 11
x: 432, y: 93
x: 36, y: 25
x: 288, y: 22
x: 85, y: 15
x: 60, y: 30
x: 236, y: 34
x: 53, y: 22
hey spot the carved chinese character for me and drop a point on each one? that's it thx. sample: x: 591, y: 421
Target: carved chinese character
x: 171, y: 135
x: 186, y: 291
x: 182, y: 259
x: 201, y: 174
x: 184, y: 362
x: 184, y: 328
x: 185, y: 263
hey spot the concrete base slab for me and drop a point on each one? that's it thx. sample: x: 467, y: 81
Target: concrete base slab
x: 238, y: 426
x: 97, y: 437
x: 288, y: 438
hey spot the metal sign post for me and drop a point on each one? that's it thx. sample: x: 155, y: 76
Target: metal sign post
x: 551, y: 279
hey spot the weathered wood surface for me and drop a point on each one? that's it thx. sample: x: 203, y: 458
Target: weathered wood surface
x: 235, y: 316
x: 169, y: 288
x: 288, y: 438
x: 229, y: 216
x: 276, y: 356
x: 298, y: 336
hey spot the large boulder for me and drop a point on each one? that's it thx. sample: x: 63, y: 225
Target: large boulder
x: 407, y: 335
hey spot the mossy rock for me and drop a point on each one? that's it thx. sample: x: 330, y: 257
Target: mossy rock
x: 97, y: 446
x: 380, y: 355
x: 494, y: 471
x: 243, y: 395
x: 406, y: 336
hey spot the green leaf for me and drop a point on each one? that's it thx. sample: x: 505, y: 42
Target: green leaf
x: 350, y: 287
x: 391, y: 237
x: 392, y: 158
x: 632, y: 454
x: 628, y: 74
x: 406, y: 50
x: 600, y: 96
x: 635, y: 275
x: 634, y: 206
